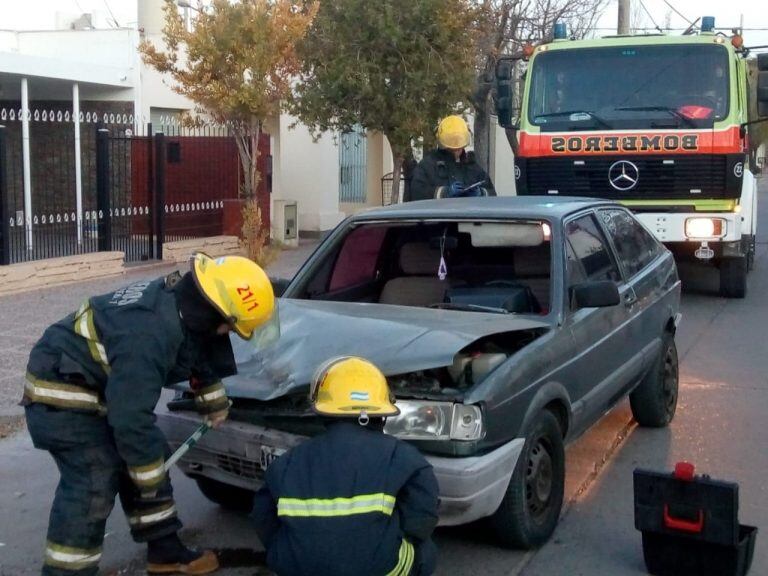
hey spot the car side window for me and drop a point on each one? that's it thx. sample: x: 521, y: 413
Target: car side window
x: 574, y: 272
x: 635, y: 246
x: 591, y: 250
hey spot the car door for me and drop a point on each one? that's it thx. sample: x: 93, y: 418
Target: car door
x: 636, y: 252
x: 605, y: 361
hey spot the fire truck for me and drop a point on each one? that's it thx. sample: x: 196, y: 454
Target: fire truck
x: 660, y: 123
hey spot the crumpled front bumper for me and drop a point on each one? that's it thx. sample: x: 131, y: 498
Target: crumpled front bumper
x: 237, y: 453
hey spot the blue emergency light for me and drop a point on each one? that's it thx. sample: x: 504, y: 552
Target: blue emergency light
x: 561, y: 33
x: 707, y: 23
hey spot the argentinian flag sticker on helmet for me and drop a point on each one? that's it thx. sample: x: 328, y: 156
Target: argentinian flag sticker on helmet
x: 359, y: 396
x: 220, y: 261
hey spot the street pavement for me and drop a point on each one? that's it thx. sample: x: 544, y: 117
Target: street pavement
x: 720, y: 426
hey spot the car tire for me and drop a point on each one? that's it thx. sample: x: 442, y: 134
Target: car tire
x: 733, y: 277
x: 229, y: 497
x: 654, y: 401
x: 529, y: 512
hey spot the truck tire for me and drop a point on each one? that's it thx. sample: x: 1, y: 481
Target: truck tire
x: 654, y: 401
x: 529, y: 512
x: 229, y: 497
x: 733, y: 277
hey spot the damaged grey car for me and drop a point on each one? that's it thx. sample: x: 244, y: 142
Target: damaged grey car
x: 505, y: 326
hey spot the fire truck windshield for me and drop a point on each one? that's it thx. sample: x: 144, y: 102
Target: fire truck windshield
x: 661, y: 86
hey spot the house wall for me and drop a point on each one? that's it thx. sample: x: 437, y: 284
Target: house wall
x: 308, y: 172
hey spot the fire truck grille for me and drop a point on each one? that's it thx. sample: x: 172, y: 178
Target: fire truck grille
x: 657, y: 177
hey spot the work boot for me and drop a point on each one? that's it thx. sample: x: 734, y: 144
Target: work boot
x: 167, y: 555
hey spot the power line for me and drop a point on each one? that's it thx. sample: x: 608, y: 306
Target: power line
x: 117, y: 24
x: 649, y: 16
x: 677, y: 12
x: 758, y: 29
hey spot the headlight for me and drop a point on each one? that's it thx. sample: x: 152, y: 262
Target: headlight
x: 423, y: 420
x: 705, y: 227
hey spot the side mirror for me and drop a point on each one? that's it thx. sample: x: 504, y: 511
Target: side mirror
x: 504, y: 93
x: 762, y: 85
x: 595, y: 294
x: 279, y: 285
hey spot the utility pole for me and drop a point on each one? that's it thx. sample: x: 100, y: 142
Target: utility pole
x: 623, y: 25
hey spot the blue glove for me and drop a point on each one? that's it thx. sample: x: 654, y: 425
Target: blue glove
x: 456, y: 189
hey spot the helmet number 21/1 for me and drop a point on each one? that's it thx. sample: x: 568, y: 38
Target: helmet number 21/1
x: 246, y: 296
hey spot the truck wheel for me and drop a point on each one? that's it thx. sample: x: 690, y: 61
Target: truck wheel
x: 654, y: 401
x: 733, y: 277
x: 226, y: 496
x: 531, y: 506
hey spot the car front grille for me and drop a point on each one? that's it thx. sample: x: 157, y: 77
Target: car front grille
x: 240, y: 467
x: 673, y: 176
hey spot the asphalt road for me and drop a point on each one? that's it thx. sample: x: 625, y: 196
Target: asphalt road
x: 720, y: 426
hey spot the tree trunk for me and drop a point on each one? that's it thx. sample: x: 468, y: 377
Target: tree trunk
x: 247, y: 140
x: 397, y: 166
x: 481, y: 102
x: 483, y: 131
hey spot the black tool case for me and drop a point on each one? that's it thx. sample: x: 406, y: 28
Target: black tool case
x: 690, y: 524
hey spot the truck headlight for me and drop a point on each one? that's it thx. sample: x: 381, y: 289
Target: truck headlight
x: 705, y: 227
x: 424, y: 420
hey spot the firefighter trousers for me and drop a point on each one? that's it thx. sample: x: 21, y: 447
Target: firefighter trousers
x: 92, y: 474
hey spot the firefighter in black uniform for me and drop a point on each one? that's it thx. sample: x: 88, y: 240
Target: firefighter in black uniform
x: 353, y: 500
x: 450, y: 166
x: 93, y: 381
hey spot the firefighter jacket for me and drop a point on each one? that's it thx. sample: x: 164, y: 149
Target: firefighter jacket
x: 439, y: 168
x: 114, y: 355
x: 349, y: 502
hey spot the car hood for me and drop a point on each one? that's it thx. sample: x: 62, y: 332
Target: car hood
x: 398, y: 339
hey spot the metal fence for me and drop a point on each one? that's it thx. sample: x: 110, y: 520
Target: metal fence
x: 130, y: 188
x: 386, y: 188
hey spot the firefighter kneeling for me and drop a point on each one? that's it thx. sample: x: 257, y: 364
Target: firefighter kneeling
x: 93, y: 381
x: 351, y: 501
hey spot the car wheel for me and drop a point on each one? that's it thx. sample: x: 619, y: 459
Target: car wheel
x: 531, y: 506
x: 226, y: 496
x: 733, y: 277
x: 654, y: 401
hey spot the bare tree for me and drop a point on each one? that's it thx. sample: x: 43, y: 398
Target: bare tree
x: 506, y: 26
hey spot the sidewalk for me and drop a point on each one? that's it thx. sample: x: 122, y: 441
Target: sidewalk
x: 24, y: 317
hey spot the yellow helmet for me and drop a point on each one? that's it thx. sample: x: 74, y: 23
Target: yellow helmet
x: 453, y: 133
x: 351, y: 386
x: 238, y: 288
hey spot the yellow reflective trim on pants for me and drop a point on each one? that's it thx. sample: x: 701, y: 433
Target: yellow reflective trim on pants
x: 148, y: 475
x: 404, y: 560
x: 62, y: 395
x: 71, y: 558
x: 152, y: 516
x: 86, y: 327
x: 327, y: 507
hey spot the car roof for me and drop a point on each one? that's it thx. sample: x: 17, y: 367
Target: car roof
x: 544, y: 207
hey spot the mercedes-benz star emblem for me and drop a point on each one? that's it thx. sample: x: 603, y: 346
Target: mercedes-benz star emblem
x: 623, y: 175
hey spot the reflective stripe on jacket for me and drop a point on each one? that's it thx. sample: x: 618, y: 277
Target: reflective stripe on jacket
x: 114, y: 355
x: 351, y: 501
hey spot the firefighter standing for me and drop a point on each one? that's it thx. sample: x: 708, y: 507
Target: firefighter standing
x: 449, y: 165
x: 353, y: 500
x: 93, y: 381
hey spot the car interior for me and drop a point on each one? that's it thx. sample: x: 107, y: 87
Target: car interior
x: 501, y: 267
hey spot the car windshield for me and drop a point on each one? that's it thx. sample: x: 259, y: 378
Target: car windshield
x: 470, y: 266
x: 629, y: 87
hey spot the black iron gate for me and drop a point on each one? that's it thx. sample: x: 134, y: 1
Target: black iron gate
x: 138, y: 190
